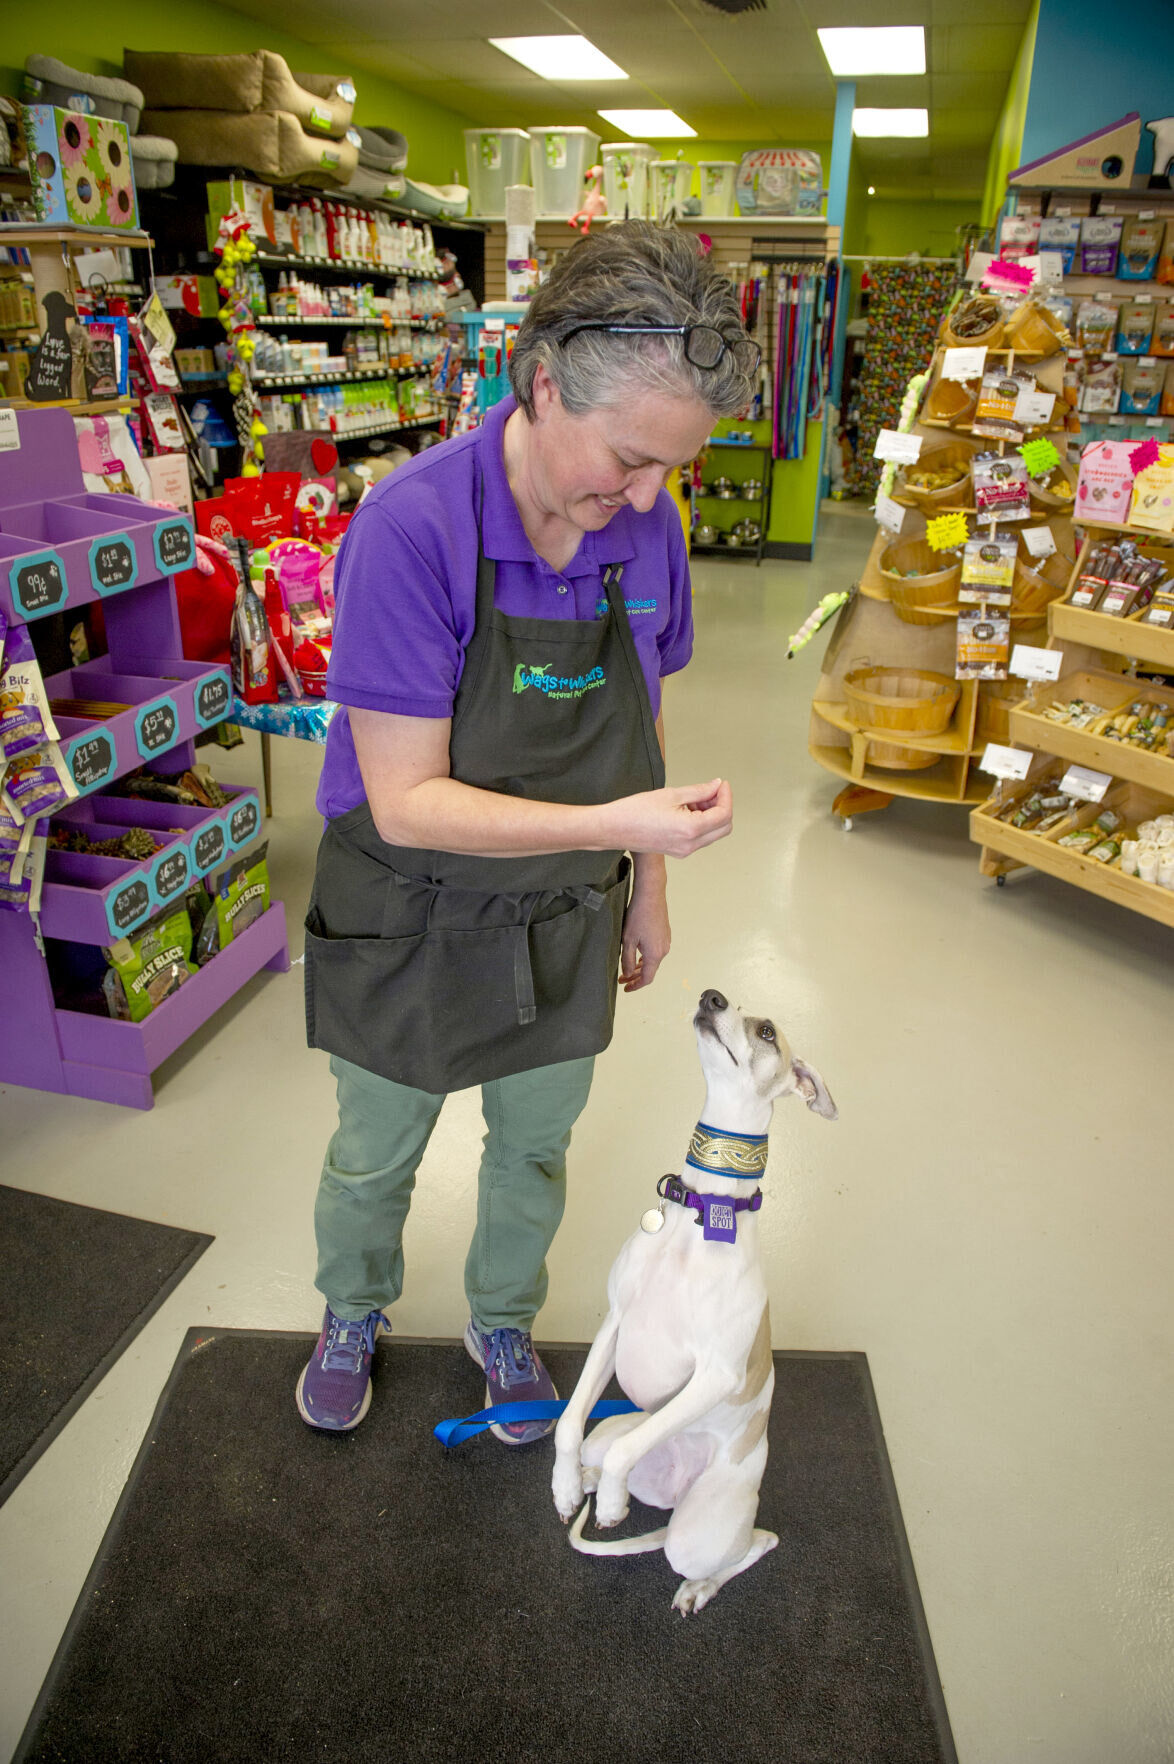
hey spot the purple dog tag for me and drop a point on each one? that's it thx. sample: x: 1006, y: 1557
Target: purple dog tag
x: 721, y: 1223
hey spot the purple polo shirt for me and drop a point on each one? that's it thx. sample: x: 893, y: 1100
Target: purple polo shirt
x: 406, y: 589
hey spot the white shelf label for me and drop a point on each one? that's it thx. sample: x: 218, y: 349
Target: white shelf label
x: 1033, y: 409
x: 890, y: 514
x: 1089, y: 786
x: 9, y: 432
x: 905, y: 449
x: 1040, y: 541
x: 1029, y: 663
x: 978, y: 266
x: 963, y: 364
x: 1005, y: 762
x: 1051, y: 268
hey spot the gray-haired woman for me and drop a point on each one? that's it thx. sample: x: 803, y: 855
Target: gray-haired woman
x: 507, y: 605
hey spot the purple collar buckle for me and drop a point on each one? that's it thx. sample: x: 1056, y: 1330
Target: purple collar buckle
x: 717, y: 1214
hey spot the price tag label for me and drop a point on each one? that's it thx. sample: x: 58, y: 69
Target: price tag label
x: 243, y: 823
x: 1034, y: 409
x: 890, y: 514
x: 174, y: 546
x: 38, y: 583
x: 1051, y: 268
x: 1005, y: 762
x: 156, y: 727
x: 9, y: 431
x: 90, y: 760
x: 208, y: 848
x: 1039, y: 457
x: 1030, y: 663
x: 963, y: 364
x: 171, y: 874
x: 946, y: 531
x: 213, y: 699
x: 128, y: 907
x: 113, y: 565
x: 1040, y: 541
x: 904, y: 449
x: 978, y: 266
x: 1088, y: 786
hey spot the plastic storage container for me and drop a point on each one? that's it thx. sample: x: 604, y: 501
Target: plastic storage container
x: 495, y: 158
x: 718, y: 178
x: 625, y: 178
x: 672, y: 180
x: 560, y: 157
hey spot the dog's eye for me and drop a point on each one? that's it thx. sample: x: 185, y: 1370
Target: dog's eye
x: 767, y: 1031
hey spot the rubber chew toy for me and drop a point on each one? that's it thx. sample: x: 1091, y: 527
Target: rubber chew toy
x: 830, y: 604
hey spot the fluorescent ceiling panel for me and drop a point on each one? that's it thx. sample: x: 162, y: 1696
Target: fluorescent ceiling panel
x: 648, y: 125
x: 887, y: 49
x: 560, y: 58
x: 878, y: 123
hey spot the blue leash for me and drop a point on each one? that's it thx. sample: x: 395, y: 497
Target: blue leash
x: 453, y: 1433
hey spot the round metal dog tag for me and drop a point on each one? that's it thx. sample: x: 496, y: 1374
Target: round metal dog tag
x: 652, y: 1220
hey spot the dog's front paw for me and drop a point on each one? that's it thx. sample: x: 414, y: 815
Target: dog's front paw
x: 566, y: 1486
x: 611, y: 1502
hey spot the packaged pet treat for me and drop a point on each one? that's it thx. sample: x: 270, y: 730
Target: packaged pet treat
x: 1094, y: 577
x: 1001, y: 487
x: 984, y: 646
x: 1100, y: 237
x: 37, y: 783
x: 1135, y: 327
x: 1096, y: 326
x: 11, y: 837
x: 997, y: 398
x: 1166, y: 405
x: 1141, y: 243
x: 1152, y: 504
x: 1105, y: 483
x: 1061, y: 232
x: 25, y: 718
x: 149, y: 967
x: 1141, y: 387
x: 239, y: 895
x: 20, y: 885
x: 1019, y: 236
x: 1166, y: 256
x: 1101, y: 391
x: 1163, y: 338
x: 988, y: 567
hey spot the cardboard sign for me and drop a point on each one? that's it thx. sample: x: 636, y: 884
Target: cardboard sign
x: 9, y: 431
x: 890, y: 514
x: 963, y: 364
x: 1034, y: 409
x: 1029, y: 663
x: 946, y: 531
x: 1039, y: 457
x: 1088, y: 786
x: 904, y: 449
x: 1005, y: 762
x: 1040, y: 541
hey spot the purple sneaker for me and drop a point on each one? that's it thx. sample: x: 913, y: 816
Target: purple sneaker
x: 513, y: 1374
x: 334, y: 1390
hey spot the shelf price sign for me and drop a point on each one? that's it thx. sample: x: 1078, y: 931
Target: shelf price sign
x: 1005, y: 762
x: 891, y: 444
x: 208, y: 848
x: 175, y: 548
x: 1039, y: 457
x: 128, y: 906
x: 37, y: 583
x: 91, y: 760
x: 244, y: 823
x: 946, y: 531
x: 213, y: 699
x: 1088, y: 786
x: 113, y: 565
x: 156, y: 727
x: 1029, y: 663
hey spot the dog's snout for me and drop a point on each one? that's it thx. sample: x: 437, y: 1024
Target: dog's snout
x: 714, y: 1001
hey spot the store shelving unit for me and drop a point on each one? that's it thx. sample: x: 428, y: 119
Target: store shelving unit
x: 759, y: 506
x: 60, y: 549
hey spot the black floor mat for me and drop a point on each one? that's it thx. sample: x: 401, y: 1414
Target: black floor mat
x: 267, y: 1592
x: 76, y: 1286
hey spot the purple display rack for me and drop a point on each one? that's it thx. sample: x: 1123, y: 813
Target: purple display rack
x: 61, y: 547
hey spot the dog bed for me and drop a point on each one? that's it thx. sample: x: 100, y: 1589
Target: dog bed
x: 271, y: 144
x: 382, y: 149
x: 258, y: 81
x: 388, y: 186
x: 436, y: 199
x: 49, y: 81
x: 154, y: 160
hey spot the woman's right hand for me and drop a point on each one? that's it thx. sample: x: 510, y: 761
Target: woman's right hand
x: 677, y: 820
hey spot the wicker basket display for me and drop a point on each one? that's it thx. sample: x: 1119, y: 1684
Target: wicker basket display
x: 930, y: 590
x: 984, y: 315
x: 938, y: 456
x: 1043, y: 490
x: 952, y: 401
x: 911, y: 700
x: 1039, y: 580
x: 1033, y: 330
x: 995, y: 698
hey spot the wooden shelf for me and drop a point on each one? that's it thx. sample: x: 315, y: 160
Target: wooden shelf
x: 1038, y: 853
x: 83, y: 238
x: 954, y: 740
x: 940, y: 783
x: 1114, y: 636
x: 75, y: 406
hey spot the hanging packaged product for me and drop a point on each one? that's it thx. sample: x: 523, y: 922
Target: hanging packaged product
x: 148, y: 968
x: 997, y: 398
x: 1141, y: 387
x: 1160, y: 611
x: 1001, y: 487
x: 1132, y: 581
x: 1019, y: 236
x: 1166, y: 255
x: 1163, y: 338
x: 22, y: 879
x: 1166, y: 406
x: 1152, y: 504
x: 37, y: 783
x: 1096, y: 326
x: 238, y: 895
x: 988, y: 569
x: 1141, y: 243
x: 254, y: 675
x: 1135, y: 327
x: 1105, y: 483
x: 25, y: 718
x: 1061, y: 232
x: 1094, y: 577
x: 1100, y: 238
x: 984, y: 646
x: 1101, y: 391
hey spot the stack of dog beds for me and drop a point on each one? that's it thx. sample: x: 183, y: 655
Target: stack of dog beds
x: 383, y: 154
x: 249, y: 110
x: 48, y: 81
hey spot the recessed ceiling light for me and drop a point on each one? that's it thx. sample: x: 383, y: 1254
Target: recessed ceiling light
x: 890, y: 122
x: 872, y: 189
x: 884, y: 49
x: 560, y: 58
x: 648, y: 125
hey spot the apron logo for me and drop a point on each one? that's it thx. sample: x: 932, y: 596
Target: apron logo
x: 556, y: 685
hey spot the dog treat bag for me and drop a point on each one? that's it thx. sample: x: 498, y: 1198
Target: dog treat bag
x: 21, y: 882
x: 1166, y: 407
x: 1100, y: 237
x: 1061, y: 232
x: 1163, y: 338
x: 1141, y: 242
x: 1153, y: 493
x: 1141, y: 387
x: 25, y: 719
x: 997, y: 399
x: 146, y: 969
x: 988, y: 567
x: 37, y: 783
x: 1135, y: 327
x: 1000, y: 487
x: 984, y: 646
x: 240, y: 894
x: 1096, y: 325
x: 1166, y: 255
x: 1101, y: 391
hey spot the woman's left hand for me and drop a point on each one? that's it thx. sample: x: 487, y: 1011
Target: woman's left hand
x: 647, y: 935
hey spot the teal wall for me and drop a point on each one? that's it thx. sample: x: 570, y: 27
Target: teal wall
x: 1092, y: 65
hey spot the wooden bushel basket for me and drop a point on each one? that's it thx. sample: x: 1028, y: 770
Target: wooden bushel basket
x: 912, y: 700
x: 934, y: 586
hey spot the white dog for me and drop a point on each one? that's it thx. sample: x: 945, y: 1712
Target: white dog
x: 688, y: 1332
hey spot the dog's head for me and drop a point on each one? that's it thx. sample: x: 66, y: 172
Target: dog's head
x: 747, y: 1060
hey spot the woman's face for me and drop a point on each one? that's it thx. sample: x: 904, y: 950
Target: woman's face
x: 584, y: 468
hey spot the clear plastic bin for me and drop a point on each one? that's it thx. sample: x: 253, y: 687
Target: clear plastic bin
x: 495, y: 158
x: 718, y: 178
x: 672, y: 181
x: 560, y: 157
x: 625, y: 178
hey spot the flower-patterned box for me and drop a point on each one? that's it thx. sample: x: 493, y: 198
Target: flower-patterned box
x: 80, y: 168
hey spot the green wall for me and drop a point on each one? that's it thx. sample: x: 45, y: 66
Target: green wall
x: 92, y: 37
x: 1006, y: 147
x: 891, y: 228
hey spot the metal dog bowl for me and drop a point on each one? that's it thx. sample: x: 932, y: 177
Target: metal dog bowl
x: 752, y: 489
x: 704, y: 534
x: 746, y: 533
x: 725, y: 488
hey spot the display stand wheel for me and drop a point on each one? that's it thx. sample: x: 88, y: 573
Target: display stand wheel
x: 858, y: 799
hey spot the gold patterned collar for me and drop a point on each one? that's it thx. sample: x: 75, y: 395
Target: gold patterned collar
x: 727, y: 1154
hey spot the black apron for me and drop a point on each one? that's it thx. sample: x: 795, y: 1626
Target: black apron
x: 442, y: 971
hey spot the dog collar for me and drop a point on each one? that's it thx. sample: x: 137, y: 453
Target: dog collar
x: 717, y: 1214
x: 727, y: 1154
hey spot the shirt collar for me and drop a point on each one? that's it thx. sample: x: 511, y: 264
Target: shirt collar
x: 503, y: 534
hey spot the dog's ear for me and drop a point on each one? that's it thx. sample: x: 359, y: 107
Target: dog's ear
x: 815, y: 1093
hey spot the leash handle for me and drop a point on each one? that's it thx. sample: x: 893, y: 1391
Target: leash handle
x: 454, y: 1433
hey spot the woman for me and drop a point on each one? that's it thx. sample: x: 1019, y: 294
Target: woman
x: 507, y: 605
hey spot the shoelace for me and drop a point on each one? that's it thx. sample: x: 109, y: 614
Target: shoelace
x: 510, y: 1351
x: 347, y: 1342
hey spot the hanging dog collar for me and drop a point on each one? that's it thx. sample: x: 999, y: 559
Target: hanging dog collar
x: 717, y: 1214
x: 727, y: 1154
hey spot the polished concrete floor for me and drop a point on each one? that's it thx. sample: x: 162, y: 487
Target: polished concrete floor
x: 989, y: 1220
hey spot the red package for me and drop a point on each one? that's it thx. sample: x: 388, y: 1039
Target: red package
x: 263, y: 507
x: 205, y: 609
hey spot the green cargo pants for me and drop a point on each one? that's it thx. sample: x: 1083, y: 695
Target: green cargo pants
x: 370, y: 1172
